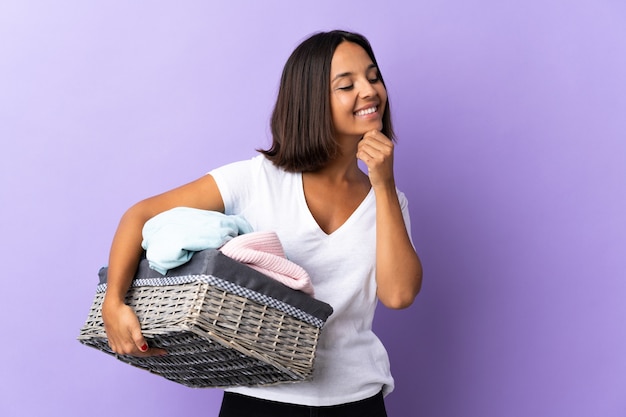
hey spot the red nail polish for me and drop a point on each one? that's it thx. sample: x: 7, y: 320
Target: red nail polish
x: 144, y: 347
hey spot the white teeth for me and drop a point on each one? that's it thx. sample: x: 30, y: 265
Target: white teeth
x: 366, y: 111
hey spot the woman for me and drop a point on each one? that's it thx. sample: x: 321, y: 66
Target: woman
x: 347, y: 229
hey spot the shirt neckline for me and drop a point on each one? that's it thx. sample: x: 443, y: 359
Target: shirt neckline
x: 346, y: 223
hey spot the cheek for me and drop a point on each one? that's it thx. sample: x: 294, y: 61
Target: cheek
x: 382, y: 93
x: 341, y: 107
x: 340, y: 101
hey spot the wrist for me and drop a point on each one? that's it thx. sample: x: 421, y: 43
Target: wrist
x: 388, y: 187
x: 112, y: 301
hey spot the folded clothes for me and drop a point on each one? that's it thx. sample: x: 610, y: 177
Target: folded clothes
x: 264, y: 252
x: 171, y: 238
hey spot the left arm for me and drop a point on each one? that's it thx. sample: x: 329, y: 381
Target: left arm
x: 398, y: 268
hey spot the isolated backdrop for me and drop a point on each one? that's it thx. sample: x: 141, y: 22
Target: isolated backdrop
x: 511, y: 118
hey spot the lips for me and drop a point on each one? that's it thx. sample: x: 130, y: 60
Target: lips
x: 364, y: 112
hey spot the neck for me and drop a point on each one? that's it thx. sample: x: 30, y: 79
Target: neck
x: 344, y: 168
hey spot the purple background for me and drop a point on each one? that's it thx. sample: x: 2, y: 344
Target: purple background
x: 511, y: 119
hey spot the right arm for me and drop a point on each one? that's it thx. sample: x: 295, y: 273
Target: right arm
x: 120, y: 322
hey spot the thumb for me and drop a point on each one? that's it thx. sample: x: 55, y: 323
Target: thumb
x: 140, y: 341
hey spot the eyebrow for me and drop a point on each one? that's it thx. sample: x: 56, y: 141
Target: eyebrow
x: 347, y: 74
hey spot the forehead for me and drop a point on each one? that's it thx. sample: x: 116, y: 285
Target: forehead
x: 349, y: 57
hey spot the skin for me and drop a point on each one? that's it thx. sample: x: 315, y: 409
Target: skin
x: 332, y: 194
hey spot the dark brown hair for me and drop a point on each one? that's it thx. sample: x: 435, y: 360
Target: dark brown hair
x: 301, y: 123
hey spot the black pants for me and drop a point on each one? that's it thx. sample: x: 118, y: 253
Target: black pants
x: 237, y: 405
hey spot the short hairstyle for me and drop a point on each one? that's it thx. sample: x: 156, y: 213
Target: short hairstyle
x: 301, y: 123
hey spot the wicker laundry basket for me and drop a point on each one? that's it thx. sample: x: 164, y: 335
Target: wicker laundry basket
x: 222, y: 323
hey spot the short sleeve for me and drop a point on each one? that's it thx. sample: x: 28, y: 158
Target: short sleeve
x: 404, y: 206
x: 234, y: 181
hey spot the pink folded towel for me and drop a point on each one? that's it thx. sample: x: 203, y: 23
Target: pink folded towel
x: 263, y: 252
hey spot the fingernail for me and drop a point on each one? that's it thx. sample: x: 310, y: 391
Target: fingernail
x: 144, y: 348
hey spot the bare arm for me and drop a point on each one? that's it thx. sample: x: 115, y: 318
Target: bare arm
x: 398, y: 268
x: 121, y: 324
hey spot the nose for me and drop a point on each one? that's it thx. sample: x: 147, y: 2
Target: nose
x: 367, y: 90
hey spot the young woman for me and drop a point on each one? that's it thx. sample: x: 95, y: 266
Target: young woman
x: 348, y: 229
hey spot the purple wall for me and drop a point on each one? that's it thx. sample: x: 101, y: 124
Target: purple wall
x: 512, y: 151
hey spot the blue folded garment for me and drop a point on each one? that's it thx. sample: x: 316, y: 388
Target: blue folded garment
x: 171, y: 238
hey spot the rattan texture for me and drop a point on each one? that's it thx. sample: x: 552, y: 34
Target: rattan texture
x: 216, y: 333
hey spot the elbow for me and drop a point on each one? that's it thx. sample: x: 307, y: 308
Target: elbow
x: 402, y: 298
x: 398, y: 303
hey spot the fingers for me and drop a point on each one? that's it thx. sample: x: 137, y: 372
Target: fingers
x: 136, y: 345
x: 124, y: 333
x: 377, y: 136
x: 376, y: 151
x: 139, y: 341
x: 143, y: 347
x: 374, y: 146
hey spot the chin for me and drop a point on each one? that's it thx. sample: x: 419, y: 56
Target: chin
x: 376, y: 126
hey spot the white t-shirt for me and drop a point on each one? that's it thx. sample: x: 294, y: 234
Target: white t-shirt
x: 351, y: 363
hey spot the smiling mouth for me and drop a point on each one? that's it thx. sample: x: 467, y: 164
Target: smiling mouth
x: 366, y: 111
